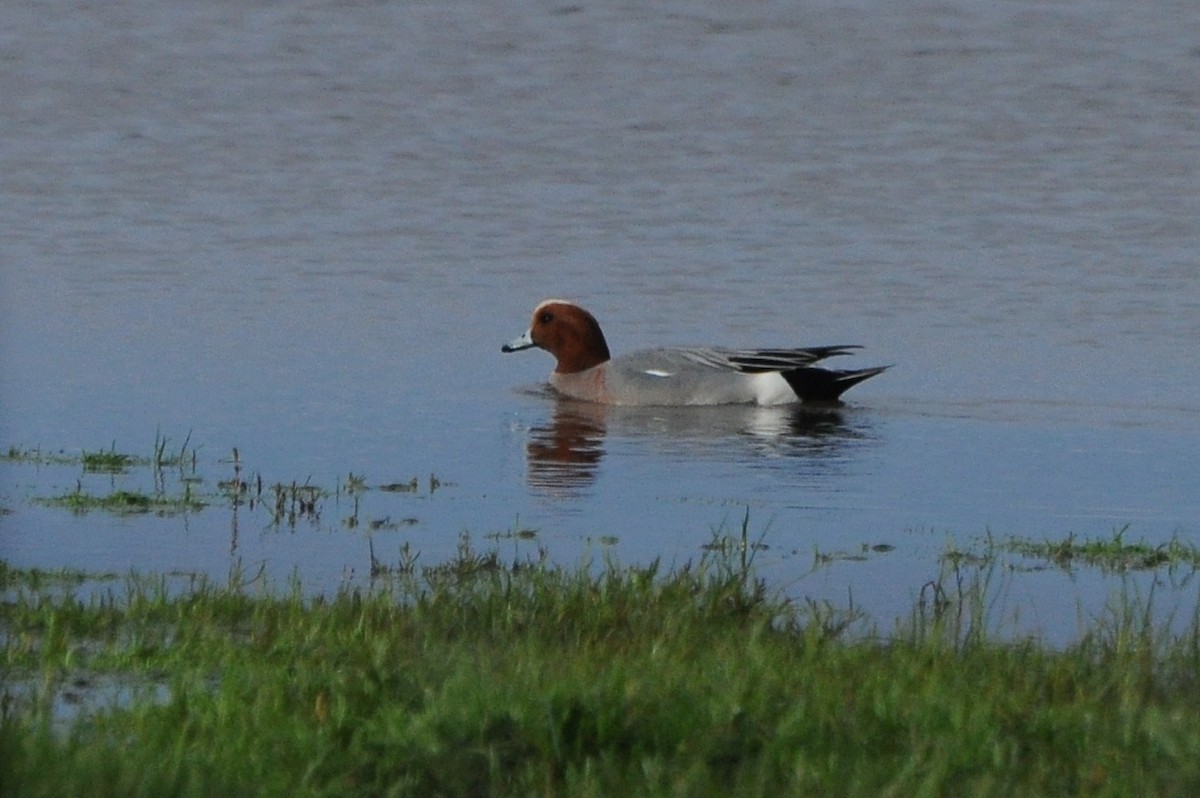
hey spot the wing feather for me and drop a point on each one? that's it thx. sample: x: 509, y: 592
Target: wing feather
x: 748, y: 361
x: 758, y: 360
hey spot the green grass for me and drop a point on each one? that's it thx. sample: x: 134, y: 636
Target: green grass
x: 110, y: 461
x: 480, y: 676
x: 1109, y: 555
x: 36, y: 456
x: 483, y: 677
x: 124, y: 501
x: 178, y: 487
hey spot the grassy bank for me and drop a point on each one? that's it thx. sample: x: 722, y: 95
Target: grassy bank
x: 481, y: 678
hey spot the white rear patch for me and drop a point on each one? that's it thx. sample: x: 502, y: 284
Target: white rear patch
x: 770, y: 388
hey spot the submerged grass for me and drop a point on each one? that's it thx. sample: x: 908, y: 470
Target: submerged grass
x: 107, y: 461
x: 178, y: 487
x: 36, y: 456
x: 124, y: 501
x: 1114, y: 554
x: 1109, y: 555
x: 479, y: 677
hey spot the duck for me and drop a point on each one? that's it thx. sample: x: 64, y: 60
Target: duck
x: 679, y: 375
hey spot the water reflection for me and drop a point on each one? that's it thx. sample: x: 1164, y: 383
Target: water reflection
x: 565, y: 453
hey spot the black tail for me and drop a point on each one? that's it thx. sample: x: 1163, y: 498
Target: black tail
x: 826, y: 385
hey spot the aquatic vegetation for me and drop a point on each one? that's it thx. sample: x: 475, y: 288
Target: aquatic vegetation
x: 481, y: 676
x: 124, y: 501
x: 35, y: 579
x: 413, y: 485
x: 355, y: 483
x: 110, y: 461
x: 37, y: 456
x: 401, y: 487
x: 169, y: 483
x: 162, y: 459
x: 1114, y: 554
x: 486, y: 674
x: 516, y: 532
x: 1110, y: 555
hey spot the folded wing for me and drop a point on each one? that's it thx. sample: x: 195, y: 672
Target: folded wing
x: 757, y: 361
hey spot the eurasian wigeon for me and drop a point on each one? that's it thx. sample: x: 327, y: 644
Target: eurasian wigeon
x: 678, y: 375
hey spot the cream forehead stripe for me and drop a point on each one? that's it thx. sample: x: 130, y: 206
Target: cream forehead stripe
x: 546, y: 302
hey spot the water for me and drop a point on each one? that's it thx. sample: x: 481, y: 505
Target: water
x: 303, y: 229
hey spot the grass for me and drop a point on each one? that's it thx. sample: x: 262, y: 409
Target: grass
x: 288, y: 503
x: 1109, y: 555
x: 110, y: 461
x: 124, y: 501
x: 36, y: 456
x: 483, y: 677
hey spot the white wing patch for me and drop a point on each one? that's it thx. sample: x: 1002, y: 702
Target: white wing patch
x: 660, y: 373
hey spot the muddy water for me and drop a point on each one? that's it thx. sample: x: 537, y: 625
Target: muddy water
x: 303, y: 229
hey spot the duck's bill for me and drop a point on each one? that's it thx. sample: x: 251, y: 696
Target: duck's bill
x: 517, y: 344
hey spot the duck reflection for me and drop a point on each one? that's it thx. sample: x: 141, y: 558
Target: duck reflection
x: 564, y: 454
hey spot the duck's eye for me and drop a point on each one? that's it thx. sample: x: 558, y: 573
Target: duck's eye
x: 546, y: 317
